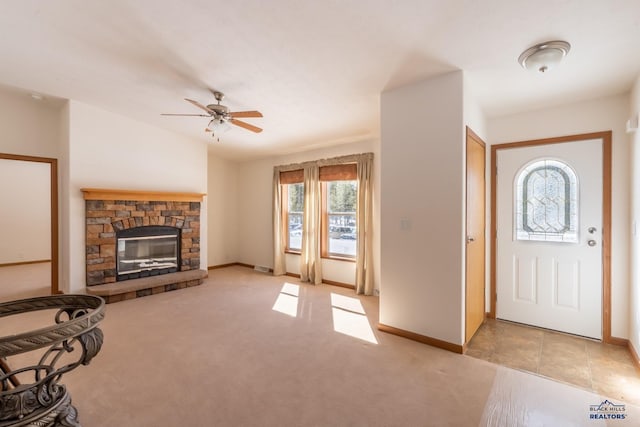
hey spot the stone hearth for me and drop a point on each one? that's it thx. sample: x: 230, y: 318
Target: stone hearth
x: 108, y: 211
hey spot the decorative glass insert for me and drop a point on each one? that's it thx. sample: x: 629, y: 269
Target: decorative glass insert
x: 546, y: 202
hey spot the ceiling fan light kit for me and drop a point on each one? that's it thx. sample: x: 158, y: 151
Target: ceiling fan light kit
x: 221, y: 117
x: 219, y: 125
x: 544, y: 56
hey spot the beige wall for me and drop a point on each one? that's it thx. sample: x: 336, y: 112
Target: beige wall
x: 25, y: 211
x: 255, y: 214
x: 222, y: 206
x: 422, y: 208
x: 590, y: 116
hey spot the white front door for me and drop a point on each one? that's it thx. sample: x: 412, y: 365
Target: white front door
x: 549, y: 241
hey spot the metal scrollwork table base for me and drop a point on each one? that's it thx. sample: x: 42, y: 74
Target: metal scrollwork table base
x: 32, y: 395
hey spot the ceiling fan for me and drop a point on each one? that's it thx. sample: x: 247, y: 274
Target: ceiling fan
x: 221, y: 116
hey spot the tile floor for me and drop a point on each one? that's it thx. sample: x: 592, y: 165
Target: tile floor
x: 602, y: 368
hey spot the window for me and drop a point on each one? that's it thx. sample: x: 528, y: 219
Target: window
x: 292, y: 205
x: 295, y: 203
x: 546, y: 202
x: 339, y: 198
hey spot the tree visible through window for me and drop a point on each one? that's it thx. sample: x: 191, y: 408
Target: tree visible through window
x: 339, y: 193
x: 295, y: 204
x: 546, y: 202
x: 341, y: 217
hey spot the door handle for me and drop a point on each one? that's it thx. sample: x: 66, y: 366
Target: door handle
x: 470, y: 239
x: 591, y: 242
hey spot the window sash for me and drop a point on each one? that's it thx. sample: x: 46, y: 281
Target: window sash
x: 286, y: 219
x: 327, y: 233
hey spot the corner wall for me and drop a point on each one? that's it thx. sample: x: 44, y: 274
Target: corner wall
x: 222, y: 205
x: 422, y: 208
x: 603, y: 114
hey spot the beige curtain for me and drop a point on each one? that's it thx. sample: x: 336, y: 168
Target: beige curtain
x: 310, y: 260
x: 279, y: 235
x: 364, y: 252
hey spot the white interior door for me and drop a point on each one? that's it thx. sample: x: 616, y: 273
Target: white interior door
x: 549, y: 241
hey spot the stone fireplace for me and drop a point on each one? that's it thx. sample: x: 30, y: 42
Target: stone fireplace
x: 139, y: 243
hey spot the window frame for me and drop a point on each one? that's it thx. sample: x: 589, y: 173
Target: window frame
x: 286, y: 179
x: 338, y: 172
x: 342, y: 172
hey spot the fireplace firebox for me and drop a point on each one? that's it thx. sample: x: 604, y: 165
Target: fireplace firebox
x: 147, y: 251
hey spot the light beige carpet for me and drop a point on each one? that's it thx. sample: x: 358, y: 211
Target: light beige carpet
x: 244, y: 350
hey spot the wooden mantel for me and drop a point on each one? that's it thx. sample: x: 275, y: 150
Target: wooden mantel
x: 139, y: 195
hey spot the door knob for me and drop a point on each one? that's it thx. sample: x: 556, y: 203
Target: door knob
x: 470, y: 239
x: 592, y: 230
x: 591, y: 242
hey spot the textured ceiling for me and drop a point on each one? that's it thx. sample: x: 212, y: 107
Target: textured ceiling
x: 315, y: 69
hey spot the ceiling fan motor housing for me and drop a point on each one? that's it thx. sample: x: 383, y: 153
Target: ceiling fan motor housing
x: 220, y: 110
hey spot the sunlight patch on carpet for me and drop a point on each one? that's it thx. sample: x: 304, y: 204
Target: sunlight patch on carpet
x: 349, y: 318
x: 287, y: 301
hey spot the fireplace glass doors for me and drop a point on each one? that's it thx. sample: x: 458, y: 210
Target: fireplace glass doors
x: 147, y: 251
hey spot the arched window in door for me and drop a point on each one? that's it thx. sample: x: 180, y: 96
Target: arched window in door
x: 546, y: 202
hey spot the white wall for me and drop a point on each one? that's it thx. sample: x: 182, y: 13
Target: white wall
x: 592, y: 116
x: 29, y: 127
x: 634, y: 300
x: 25, y: 211
x: 256, y: 210
x: 422, y: 208
x: 473, y: 115
x: 222, y: 207
x: 106, y: 150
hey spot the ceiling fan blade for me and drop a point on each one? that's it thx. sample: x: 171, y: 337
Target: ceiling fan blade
x: 195, y: 115
x: 245, y: 125
x: 197, y: 104
x: 246, y: 114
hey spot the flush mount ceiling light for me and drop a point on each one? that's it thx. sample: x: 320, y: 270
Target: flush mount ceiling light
x: 544, y: 56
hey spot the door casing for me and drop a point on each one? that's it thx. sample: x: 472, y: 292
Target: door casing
x: 606, y: 138
x: 53, y: 166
